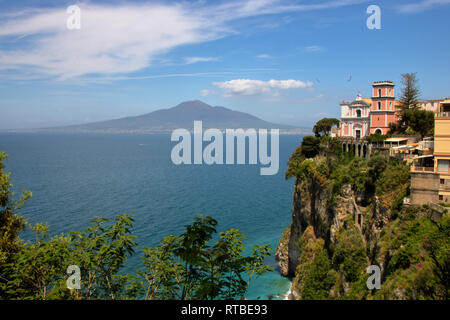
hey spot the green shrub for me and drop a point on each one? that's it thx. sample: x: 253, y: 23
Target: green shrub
x: 350, y: 254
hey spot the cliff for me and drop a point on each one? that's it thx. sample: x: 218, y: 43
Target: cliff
x: 347, y: 214
x: 314, y: 208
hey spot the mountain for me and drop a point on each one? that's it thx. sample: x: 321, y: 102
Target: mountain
x: 180, y: 116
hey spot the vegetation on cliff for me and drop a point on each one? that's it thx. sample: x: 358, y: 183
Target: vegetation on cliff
x: 349, y: 214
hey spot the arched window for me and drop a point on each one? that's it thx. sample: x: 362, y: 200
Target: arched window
x: 379, y: 92
x: 358, y: 113
x: 378, y: 131
x: 379, y: 105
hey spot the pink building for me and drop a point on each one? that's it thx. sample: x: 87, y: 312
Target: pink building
x: 355, y: 118
x: 382, y: 112
x: 366, y: 116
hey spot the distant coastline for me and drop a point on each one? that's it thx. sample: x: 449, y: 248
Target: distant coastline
x: 166, y: 120
x: 300, y: 131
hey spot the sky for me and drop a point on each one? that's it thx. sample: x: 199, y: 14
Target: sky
x: 288, y: 62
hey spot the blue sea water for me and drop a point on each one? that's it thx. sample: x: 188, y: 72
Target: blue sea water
x: 77, y: 177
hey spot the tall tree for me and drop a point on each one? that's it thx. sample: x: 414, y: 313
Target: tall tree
x: 189, y: 267
x: 323, y: 127
x: 409, y: 97
x: 10, y: 225
x: 421, y: 121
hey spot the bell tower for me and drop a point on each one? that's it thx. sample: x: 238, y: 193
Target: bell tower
x: 382, y: 110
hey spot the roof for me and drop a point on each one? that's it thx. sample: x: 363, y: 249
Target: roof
x: 396, y: 139
x: 425, y: 156
x: 406, y: 147
x: 383, y: 83
x: 431, y: 100
x: 367, y: 100
x: 359, y: 102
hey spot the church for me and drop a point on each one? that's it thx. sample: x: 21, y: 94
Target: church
x: 365, y: 116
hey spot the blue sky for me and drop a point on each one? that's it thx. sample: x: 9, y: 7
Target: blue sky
x: 285, y: 61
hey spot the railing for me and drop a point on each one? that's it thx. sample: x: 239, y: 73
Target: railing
x: 443, y: 114
x: 402, y: 156
x: 351, y: 139
x: 422, y: 169
x: 426, y: 144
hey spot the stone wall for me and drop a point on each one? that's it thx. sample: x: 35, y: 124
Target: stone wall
x: 424, y: 187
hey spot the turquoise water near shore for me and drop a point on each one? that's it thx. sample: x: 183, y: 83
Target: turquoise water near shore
x: 76, y: 177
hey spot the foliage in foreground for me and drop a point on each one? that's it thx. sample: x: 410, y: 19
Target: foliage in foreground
x: 187, y: 266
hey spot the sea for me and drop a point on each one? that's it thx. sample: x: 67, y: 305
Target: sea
x: 75, y: 177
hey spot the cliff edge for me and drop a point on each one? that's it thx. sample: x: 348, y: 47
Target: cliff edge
x: 348, y: 214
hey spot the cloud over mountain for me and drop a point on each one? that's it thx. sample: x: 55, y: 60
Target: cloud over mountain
x: 247, y: 87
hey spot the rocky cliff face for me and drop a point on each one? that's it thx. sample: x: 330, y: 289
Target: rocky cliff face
x: 347, y: 214
x: 314, y: 205
x: 310, y: 207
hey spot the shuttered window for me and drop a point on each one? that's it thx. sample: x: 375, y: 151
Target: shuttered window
x: 443, y: 165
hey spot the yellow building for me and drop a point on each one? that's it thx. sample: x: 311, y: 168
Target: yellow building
x: 442, y: 149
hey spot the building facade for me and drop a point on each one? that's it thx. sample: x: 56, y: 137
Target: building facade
x: 431, y: 183
x: 442, y: 149
x: 383, y: 110
x: 355, y: 118
x: 430, y: 105
x: 365, y: 116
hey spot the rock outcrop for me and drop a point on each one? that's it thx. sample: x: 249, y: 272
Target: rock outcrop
x: 349, y: 214
x: 314, y: 205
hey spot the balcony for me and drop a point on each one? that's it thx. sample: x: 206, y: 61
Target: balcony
x: 443, y: 114
x: 422, y: 169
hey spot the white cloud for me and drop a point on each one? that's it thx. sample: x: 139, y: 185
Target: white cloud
x: 313, y: 49
x: 191, y: 60
x: 264, y: 56
x: 111, y: 39
x: 125, y: 38
x: 205, y: 92
x: 247, y: 87
x: 421, y: 6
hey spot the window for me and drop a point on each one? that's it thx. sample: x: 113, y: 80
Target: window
x: 443, y: 165
x: 379, y: 105
x: 442, y: 181
x: 379, y: 92
x: 441, y: 197
x: 358, y: 113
